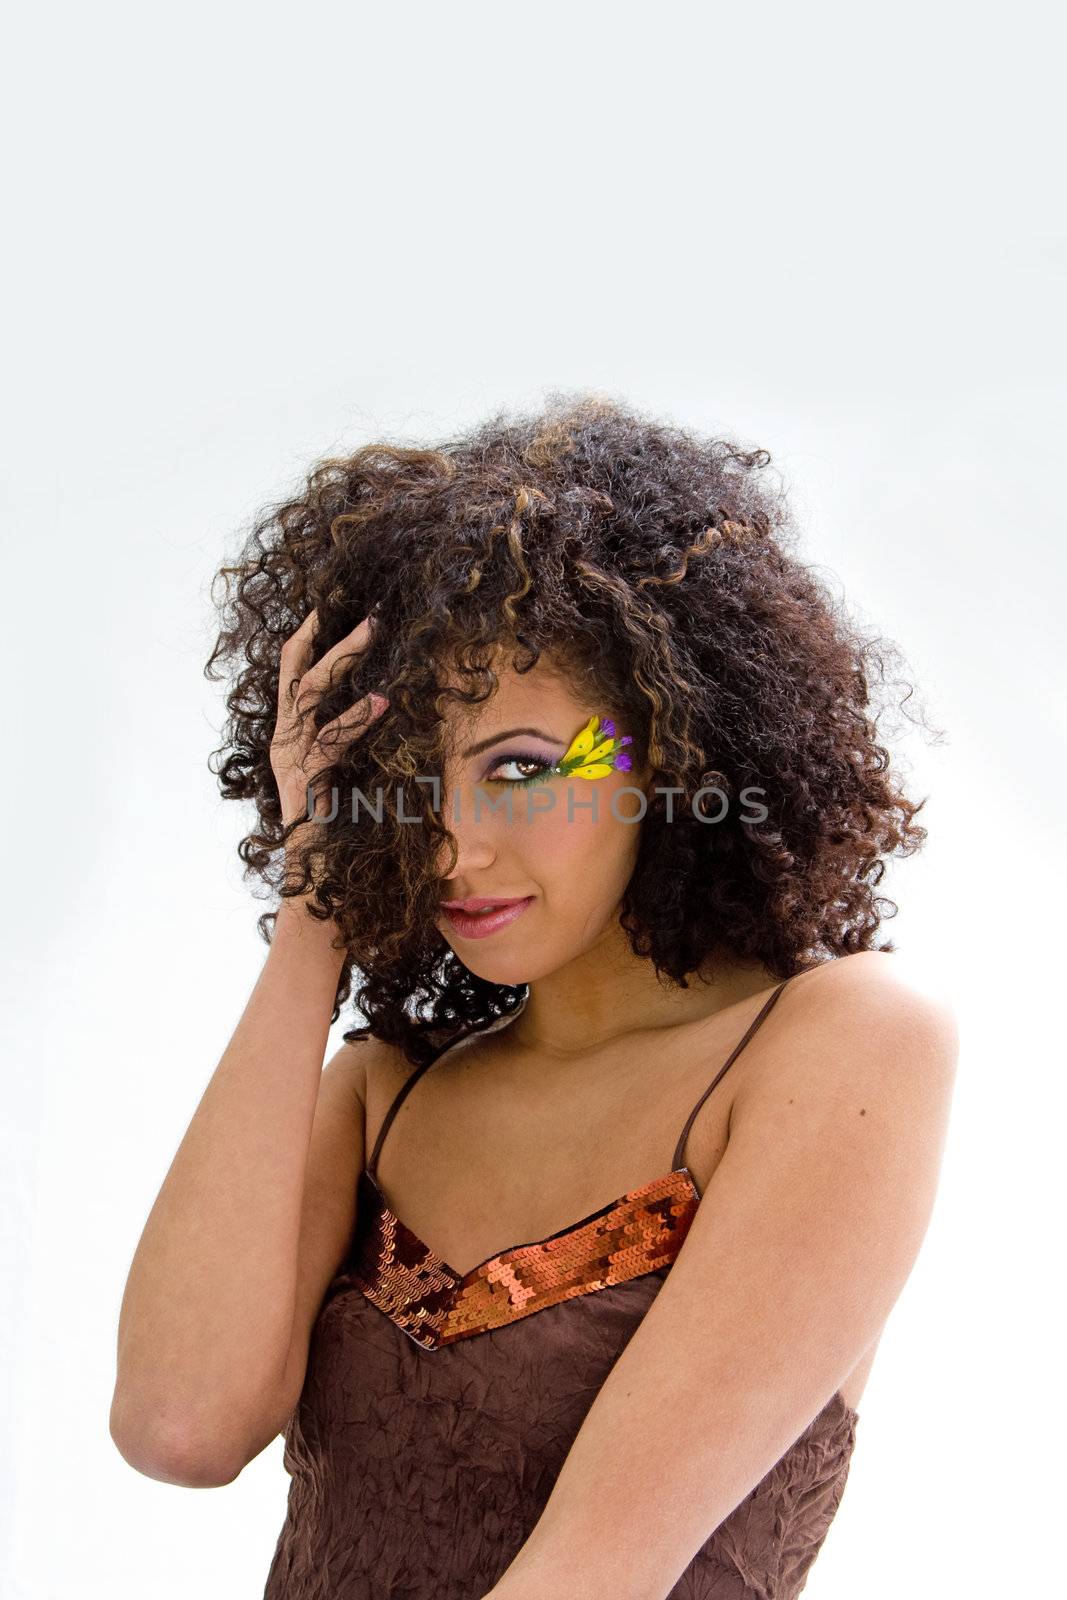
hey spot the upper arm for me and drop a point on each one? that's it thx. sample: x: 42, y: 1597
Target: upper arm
x: 335, y: 1158
x: 798, y: 1250
x: 815, y: 1216
x: 835, y: 1151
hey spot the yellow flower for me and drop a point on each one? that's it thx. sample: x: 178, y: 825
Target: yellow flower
x: 582, y: 743
x: 594, y: 752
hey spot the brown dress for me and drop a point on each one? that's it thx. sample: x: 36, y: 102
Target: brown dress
x: 438, y: 1407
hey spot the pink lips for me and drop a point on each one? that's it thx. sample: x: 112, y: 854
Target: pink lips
x: 478, y: 902
x: 460, y: 914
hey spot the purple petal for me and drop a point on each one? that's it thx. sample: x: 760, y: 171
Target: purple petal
x: 623, y: 763
x: 608, y: 728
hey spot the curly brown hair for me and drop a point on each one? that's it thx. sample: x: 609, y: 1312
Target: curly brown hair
x: 653, y: 565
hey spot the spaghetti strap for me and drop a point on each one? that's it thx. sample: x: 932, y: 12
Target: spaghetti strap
x: 680, y: 1147
x: 406, y: 1087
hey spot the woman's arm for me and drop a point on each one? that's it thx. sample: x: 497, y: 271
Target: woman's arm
x: 211, y: 1335
x: 207, y: 1313
x: 801, y: 1245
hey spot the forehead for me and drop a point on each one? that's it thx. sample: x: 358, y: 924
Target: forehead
x: 541, y: 697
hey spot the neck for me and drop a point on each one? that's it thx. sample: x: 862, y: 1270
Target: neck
x: 608, y: 992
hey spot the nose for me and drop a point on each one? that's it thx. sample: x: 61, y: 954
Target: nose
x: 474, y: 853
x: 474, y: 836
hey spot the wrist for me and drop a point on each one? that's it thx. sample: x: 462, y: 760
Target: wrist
x: 295, y: 922
x: 307, y: 841
x: 295, y: 916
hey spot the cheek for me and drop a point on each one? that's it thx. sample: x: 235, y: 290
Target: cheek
x: 571, y: 833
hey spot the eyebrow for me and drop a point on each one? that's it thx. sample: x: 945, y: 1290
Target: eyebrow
x: 511, y: 733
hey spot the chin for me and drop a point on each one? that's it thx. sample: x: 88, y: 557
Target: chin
x: 502, y: 971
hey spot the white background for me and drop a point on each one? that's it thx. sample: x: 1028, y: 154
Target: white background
x: 242, y: 237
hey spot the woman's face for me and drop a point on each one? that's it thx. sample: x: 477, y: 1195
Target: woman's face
x: 567, y: 845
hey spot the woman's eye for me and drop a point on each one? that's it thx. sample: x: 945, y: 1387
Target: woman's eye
x: 524, y: 769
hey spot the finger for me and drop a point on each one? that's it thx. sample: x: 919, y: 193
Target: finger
x: 353, y: 643
x: 298, y: 649
x: 346, y: 728
x: 296, y: 656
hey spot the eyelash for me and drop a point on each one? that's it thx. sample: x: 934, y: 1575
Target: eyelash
x: 520, y: 759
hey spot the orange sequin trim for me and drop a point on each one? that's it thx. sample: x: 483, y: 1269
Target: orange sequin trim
x: 641, y: 1231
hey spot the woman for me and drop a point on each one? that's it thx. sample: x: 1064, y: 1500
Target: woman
x: 568, y: 667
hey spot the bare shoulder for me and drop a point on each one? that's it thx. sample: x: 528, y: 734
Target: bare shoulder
x: 386, y: 1068
x: 888, y: 997
x: 374, y: 1072
x: 886, y: 984
x: 366, y: 1063
x: 863, y: 1021
x: 348, y: 1065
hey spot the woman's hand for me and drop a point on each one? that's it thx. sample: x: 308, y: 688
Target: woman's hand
x: 297, y: 753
